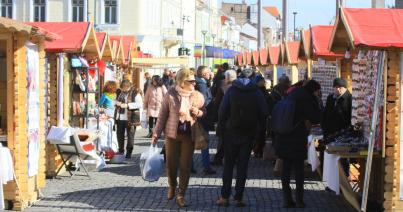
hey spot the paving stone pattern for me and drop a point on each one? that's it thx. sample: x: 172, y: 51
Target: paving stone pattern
x: 120, y: 187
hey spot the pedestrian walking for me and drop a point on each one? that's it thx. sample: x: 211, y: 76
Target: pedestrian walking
x: 291, y: 147
x: 147, y: 83
x: 337, y: 115
x: 127, y: 115
x: 153, y: 101
x: 181, y: 107
x: 241, y: 115
x: 230, y: 77
x: 261, y: 138
x: 207, y: 121
x: 166, y: 79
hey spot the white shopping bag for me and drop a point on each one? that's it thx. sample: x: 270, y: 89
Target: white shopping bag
x: 59, y: 135
x: 143, y: 119
x: 151, y: 164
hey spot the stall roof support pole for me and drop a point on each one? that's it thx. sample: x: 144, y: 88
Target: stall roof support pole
x: 60, y: 91
x: 372, y: 135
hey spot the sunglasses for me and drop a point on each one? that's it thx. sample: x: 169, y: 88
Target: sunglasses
x: 191, y: 81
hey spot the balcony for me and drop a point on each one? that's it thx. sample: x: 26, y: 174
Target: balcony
x: 171, y: 37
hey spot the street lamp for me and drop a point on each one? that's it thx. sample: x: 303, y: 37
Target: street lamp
x: 295, y: 14
x: 213, y: 36
x: 204, y: 32
x: 184, y: 18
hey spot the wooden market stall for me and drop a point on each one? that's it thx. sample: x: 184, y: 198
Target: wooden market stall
x: 78, y: 39
x: 291, y: 61
x: 106, y: 64
x: 22, y: 100
x: 362, y: 31
x: 275, y: 57
x: 304, y: 53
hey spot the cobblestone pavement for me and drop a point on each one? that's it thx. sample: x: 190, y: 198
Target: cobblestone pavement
x: 120, y: 187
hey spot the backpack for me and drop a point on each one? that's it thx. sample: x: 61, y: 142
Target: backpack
x: 282, y: 116
x: 244, y: 110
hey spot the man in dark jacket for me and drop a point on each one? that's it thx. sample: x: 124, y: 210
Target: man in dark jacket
x: 337, y: 114
x: 147, y: 83
x: 202, y: 85
x: 166, y: 78
x: 242, y: 113
x: 292, y: 147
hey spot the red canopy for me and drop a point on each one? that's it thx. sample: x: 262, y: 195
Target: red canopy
x: 249, y: 58
x: 118, y: 47
x: 128, y: 44
x: 255, y: 55
x: 240, y: 59
x: 373, y: 27
x: 292, y: 50
x: 73, y: 35
x: 321, y: 36
x: 274, y: 53
x: 264, y: 53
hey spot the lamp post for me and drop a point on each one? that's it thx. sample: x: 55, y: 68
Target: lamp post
x: 204, y: 32
x: 213, y: 36
x: 295, y: 14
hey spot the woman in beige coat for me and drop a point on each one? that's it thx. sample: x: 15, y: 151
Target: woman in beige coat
x: 181, y: 107
x: 153, y: 101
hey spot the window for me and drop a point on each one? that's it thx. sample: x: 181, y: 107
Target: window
x: 238, y: 8
x: 232, y: 9
x: 78, y: 10
x: 39, y: 10
x: 111, y: 11
x: 7, y: 8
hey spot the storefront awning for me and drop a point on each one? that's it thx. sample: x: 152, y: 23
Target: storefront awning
x: 160, y: 61
x: 379, y: 28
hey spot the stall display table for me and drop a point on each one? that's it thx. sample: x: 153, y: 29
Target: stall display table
x: 6, y: 171
x: 334, y: 175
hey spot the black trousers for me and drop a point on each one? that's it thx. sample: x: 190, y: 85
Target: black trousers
x: 152, y: 121
x: 123, y: 127
x: 237, y: 152
x: 297, y: 165
x: 219, y: 156
x: 260, y: 143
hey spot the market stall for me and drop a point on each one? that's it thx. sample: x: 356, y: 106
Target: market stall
x: 304, y: 53
x: 275, y: 57
x: 23, y: 115
x: 70, y: 57
x: 292, y: 63
x: 374, y: 35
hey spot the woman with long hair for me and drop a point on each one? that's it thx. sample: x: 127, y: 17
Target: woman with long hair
x: 153, y: 101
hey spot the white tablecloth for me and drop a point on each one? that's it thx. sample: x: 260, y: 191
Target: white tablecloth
x: 6, y: 171
x: 331, y: 172
x: 312, y: 155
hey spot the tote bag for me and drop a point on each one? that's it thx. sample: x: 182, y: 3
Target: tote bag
x: 199, y: 136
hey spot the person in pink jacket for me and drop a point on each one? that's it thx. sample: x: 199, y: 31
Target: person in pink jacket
x: 153, y: 101
x: 181, y: 107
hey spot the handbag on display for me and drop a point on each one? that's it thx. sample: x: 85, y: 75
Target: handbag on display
x: 199, y: 136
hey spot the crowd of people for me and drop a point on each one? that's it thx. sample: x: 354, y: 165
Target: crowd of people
x: 236, y: 105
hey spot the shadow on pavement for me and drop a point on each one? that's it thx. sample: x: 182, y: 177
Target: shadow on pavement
x: 200, y: 198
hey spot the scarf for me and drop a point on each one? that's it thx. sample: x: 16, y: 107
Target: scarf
x: 184, y: 111
x: 111, y: 96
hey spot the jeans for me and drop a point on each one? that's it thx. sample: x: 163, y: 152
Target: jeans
x: 298, y: 166
x: 122, y: 128
x: 237, y: 152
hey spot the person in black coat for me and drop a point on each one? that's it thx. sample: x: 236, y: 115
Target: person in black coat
x: 292, y: 147
x: 337, y: 114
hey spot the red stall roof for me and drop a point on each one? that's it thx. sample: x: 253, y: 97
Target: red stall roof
x: 255, y: 55
x: 117, y: 47
x: 264, y: 54
x: 249, y: 58
x: 274, y: 53
x: 305, y: 47
x: 128, y: 45
x: 291, y: 52
x: 239, y: 58
x: 272, y: 11
x: 368, y: 27
x: 321, y: 36
x: 101, y: 37
x: 76, y: 37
